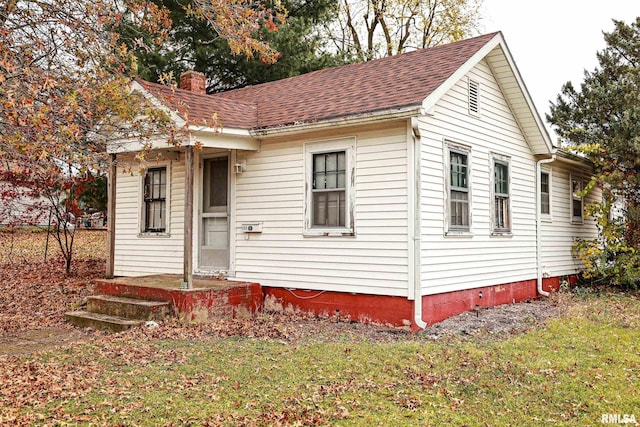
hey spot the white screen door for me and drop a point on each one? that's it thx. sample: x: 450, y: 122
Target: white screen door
x: 214, y: 239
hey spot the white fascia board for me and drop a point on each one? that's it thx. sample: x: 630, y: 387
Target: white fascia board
x: 207, y: 139
x: 527, y: 97
x: 395, y: 114
x: 429, y: 103
x: 134, y: 145
x: 220, y: 130
x: 231, y: 140
x: 160, y: 141
x: 179, y: 121
x: 563, y: 156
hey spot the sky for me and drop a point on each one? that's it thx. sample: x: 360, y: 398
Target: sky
x: 553, y: 41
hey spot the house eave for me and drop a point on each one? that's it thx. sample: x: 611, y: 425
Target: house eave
x: 338, y: 122
x: 564, y: 156
x: 231, y: 139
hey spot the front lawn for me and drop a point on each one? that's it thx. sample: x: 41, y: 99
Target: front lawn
x: 570, y: 372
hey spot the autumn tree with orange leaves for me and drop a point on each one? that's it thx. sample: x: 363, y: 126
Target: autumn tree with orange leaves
x: 64, y: 91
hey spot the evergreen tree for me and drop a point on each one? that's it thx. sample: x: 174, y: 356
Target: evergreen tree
x: 194, y: 45
x: 602, y: 121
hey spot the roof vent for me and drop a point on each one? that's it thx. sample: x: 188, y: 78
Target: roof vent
x: 474, y: 95
x: 193, y: 81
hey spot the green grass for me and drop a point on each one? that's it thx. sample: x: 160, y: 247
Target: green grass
x: 568, y: 373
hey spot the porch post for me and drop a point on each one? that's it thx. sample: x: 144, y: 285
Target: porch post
x: 111, y: 215
x: 188, y: 217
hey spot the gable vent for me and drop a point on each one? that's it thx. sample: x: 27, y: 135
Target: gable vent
x: 474, y: 95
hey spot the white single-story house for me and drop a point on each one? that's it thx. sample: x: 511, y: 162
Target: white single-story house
x: 19, y: 209
x: 400, y: 190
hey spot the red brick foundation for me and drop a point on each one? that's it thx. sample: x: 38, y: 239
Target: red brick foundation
x: 193, y: 304
x: 365, y: 308
x: 232, y: 297
x: 398, y: 311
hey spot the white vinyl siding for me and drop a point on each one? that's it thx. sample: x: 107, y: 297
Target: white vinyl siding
x: 559, y: 236
x: 374, y: 260
x: 480, y: 259
x: 138, y: 253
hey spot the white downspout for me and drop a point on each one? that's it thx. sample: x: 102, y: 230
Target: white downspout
x: 539, y: 227
x: 417, y: 261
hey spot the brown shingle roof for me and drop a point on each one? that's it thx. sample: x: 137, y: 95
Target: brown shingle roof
x: 200, y: 109
x: 385, y: 84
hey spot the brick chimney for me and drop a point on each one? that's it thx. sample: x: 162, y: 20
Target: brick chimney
x: 193, y: 81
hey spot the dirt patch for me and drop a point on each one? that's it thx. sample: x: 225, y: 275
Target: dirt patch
x: 497, y: 322
x: 32, y: 341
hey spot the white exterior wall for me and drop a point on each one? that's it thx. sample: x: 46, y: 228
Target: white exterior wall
x: 558, y: 232
x: 451, y: 263
x: 137, y: 254
x: 272, y: 191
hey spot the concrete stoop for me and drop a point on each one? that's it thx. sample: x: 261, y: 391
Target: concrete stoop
x: 116, y: 313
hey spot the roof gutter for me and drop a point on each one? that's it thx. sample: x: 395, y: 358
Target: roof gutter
x: 300, y: 127
x: 572, y: 159
x: 539, y: 226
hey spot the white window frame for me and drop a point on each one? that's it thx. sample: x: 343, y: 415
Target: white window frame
x: 449, y: 229
x: 506, y: 161
x: 548, y: 217
x: 577, y: 179
x: 141, y: 203
x: 348, y: 145
x: 473, y: 86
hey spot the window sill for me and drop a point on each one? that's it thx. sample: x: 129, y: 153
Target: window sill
x: 458, y: 234
x: 342, y: 232
x: 154, y: 235
x: 546, y: 218
x: 577, y: 221
x: 501, y: 234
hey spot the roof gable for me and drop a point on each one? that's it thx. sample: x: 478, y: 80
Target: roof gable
x: 391, y: 83
x: 496, y: 53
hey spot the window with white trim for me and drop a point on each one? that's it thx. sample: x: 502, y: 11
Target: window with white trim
x: 501, y: 211
x: 545, y: 192
x: 154, y: 200
x: 474, y: 98
x: 577, y: 202
x: 330, y: 191
x: 458, y: 189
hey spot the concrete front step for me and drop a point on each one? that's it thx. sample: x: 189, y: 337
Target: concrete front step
x: 129, y: 308
x: 103, y: 322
